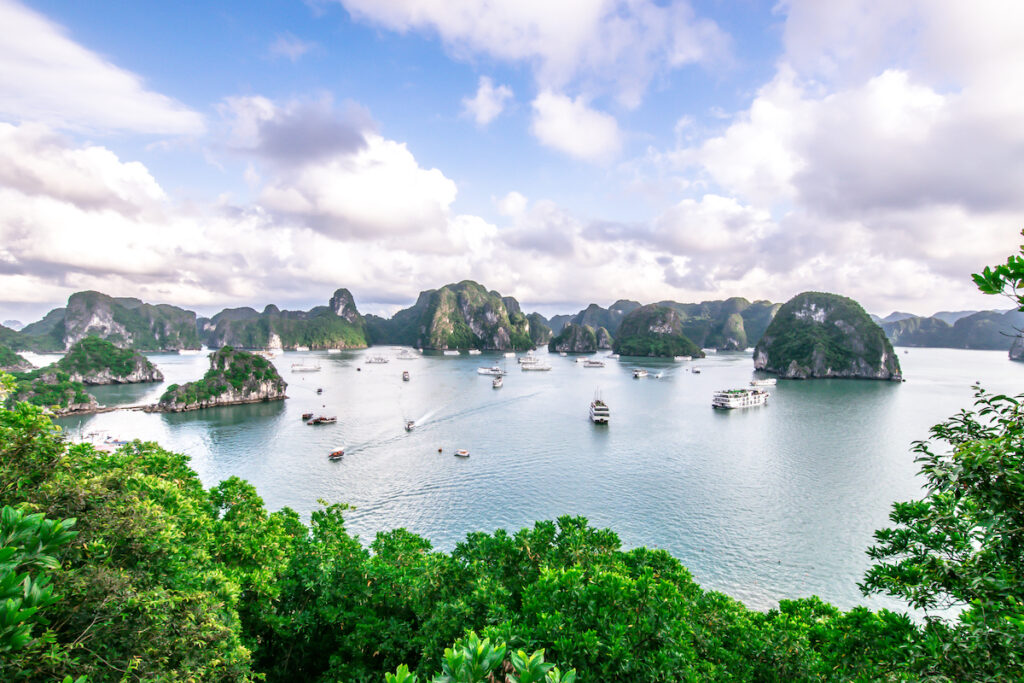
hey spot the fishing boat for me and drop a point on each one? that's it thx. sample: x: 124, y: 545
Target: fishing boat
x: 493, y: 370
x: 307, y: 416
x: 410, y: 425
x: 462, y: 453
x: 768, y: 382
x: 375, y: 360
x: 405, y: 375
x: 302, y: 367
x: 591, y: 363
x: 497, y: 383
x: 681, y: 358
x: 336, y: 455
x: 728, y: 399
x: 451, y: 352
x: 638, y: 373
x: 599, y: 411
x: 475, y: 352
x: 322, y: 420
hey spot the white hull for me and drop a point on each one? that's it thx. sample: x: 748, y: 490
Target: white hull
x: 451, y: 353
x: 730, y: 399
x: 475, y: 352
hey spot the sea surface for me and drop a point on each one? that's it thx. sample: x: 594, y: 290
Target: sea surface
x: 763, y: 504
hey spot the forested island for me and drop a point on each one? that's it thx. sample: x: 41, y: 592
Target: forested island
x: 235, y: 377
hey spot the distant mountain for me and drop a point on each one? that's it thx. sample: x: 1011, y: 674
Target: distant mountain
x: 896, y: 316
x: 594, y: 316
x: 731, y: 324
x: 655, y: 330
x: 952, y: 316
x: 335, y: 326
x: 540, y: 333
x: 993, y: 330
x: 13, y: 324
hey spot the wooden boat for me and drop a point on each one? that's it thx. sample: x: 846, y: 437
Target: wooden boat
x: 307, y: 416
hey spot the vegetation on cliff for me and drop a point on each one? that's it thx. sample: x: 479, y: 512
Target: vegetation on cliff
x: 12, y: 362
x: 540, y: 333
x: 50, y: 388
x: 993, y: 330
x: 574, y: 339
x: 234, y: 377
x: 654, y: 330
x: 817, y: 334
x: 96, y: 361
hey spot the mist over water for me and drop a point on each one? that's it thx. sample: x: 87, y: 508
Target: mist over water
x: 762, y: 504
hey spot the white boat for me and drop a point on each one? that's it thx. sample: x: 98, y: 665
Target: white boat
x: 727, y: 399
x: 405, y: 375
x: 302, y: 348
x: 493, y: 370
x: 333, y: 351
x: 475, y: 352
x: 451, y: 352
x: 462, y: 453
x: 510, y: 354
x: 769, y: 382
x: 708, y: 352
x: 497, y: 383
x: 638, y: 373
x: 302, y: 367
x: 410, y: 425
x: 591, y: 363
x: 540, y: 367
x: 373, y: 360
x: 613, y: 355
x: 528, y: 359
x: 190, y: 352
x: 266, y: 353
x: 682, y: 358
x: 599, y: 411
x: 562, y: 353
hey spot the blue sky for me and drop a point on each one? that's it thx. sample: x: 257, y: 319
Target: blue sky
x: 216, y: 154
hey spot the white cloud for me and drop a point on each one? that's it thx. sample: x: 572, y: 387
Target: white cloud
x: 571, y: 126
x: 512, y: 204
x: 488, y: 102
x: 46, y: 77
x: 290, y: 47
x: 614, y: 46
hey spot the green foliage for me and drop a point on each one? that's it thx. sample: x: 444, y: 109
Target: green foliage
x: 229, y: 369
x: 1006, y: 279
x: 48, y: 387
x: 9, y: 359
x: 574, y: 338
x: 654, y: 331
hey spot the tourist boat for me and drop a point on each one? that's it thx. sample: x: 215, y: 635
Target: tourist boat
x: 510, y: 354
x: 322, y: 420
x: 493, y: 370
x: 539, y: 367
x: 266, y: 353
x: 336, y: 455
x: 681, y: 358
x: 708, y: 352
x: 528, y: 358
x: 769, y: 382
x: 563, y: 354
x: 638, y: 373
x: 410, y: 425
x: 405, y: 375
x: 302, y: 348
x: 302, y: 367
x: 728, y: 399
x: 377, y: 359
x: 475, y: 352
x: 189, y: 352
x: 333, y: 351
x: 496, y: 383
x: 599, y: 411
x: 462, y: 453
x: 307, y: 416
x: 591, y: 363
x: 406, y: 354
x: 451, y: 352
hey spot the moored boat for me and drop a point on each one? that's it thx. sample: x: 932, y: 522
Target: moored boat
x: 638, y: 373
x: 599, y: 411
x: 728, y: 399
x: 538, y: 367
x: 475, y: 352
x: 333, y: 351
x: 322, y: 420
x: 462, y: 453
x: 307, y: 416
x: 302, y: 348
x: 768, y: 382
x: 493, y: 370
x: 591, y: 363
x: 377, y: 359
x: 496, y: 383
x: 302, y: 367
x: 681, y: 358
x: 451, y: 352
x: 510, y: 354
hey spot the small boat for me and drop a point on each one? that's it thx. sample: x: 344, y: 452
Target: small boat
x: 528, y: 359
x: 302, y: 348
x: 539, y: 367
x: 475, y: 352
x: 493, y: 370
x: 322, y: 420
x: 405, y: 375
x: 410, y: 425
x: 638, y: 373
x: 562, y: 353
x: 320, y: 390
x: 695, y: 371
x: 496, y: 383
x: 708, y: 352
x: 193, y: 352
x: 333, y: 351
x: 769, y: 382
x: 590, y: 363
x: 462, y: 453
x: 302, y: 367
x: 613, y: 355
x: 307, y: 416
x: 681, y: 358
x: 336, y: 455
x: 377, y: 360
x: 510, y: 354
x: 727, y: 399
x: 451, y: 352
x: 599, y: 411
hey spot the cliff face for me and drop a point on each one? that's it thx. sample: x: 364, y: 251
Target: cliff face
x: 1017, y: 350
x: 816, y: 334
x: 540, y: 333
x: 95, y: 361
x: 732, y: 324
x: 457, y: 316
x: 234, y: 377
x: 128, y: 323
x: 335, y: 326
x: 575, y: 339
x: 654, y: 330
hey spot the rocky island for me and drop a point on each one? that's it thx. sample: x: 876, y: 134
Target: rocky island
x: 654, y: 330
x: 95, y: 361
x: 816, y: 334
x: 52, y: 388
x: 234, y: 377
x: 580, y: 339
x: 12, y: 362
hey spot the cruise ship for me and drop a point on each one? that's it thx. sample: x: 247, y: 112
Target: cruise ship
x: 599, y: 411
x: 728, y: 399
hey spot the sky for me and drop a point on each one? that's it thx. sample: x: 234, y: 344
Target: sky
x: 222, y: 154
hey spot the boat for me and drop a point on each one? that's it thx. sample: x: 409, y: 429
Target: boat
x: 475, y: 352
x: 695, y: 371
x: 728, y: 399
x: 333, y: 351
x: 266, y: 353
x: 681, y: 358
x: 591, y: 363
x: 528, y: 359
x: 493, y: 370
x: 451, y: 352
x: 599, y: 411
x: 307, y: 416
x: 708, y: 352
x: 510, y: 354
x: 769, y: 382
x: 406, y: 354
x: 302, y: 367
x: 319, y: 390
x: 322, y: 420
x: 613, y: 355
x: 563, y: 354
x: 189, y: 352
x: 539, y: 367
x: 405, y: 375
x: 462, y: 453
x: 377, y: 359
x: 336, y: 455
x: 497, y: 382
x: 410, y: 425
x: 638, y: 373
x: 302, y: 348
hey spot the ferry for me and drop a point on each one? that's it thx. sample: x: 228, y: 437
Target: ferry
x: 451, y: 352
x: 599, y: 412
x: 591, y: 363
x: 377, y: 359
x: 638, y: 373
x: 405, y: 375
x: 496, y: 383
x: 769, y: 382
x: 462, y: 453
x: 727, y: 399
x: 302, y: 367
x: 493, y: 370
x: 336, y: 455
x: 475, y: 352
x: 680, y: 359
x: 321, y: 420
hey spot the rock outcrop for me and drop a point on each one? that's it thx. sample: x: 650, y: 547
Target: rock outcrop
x: 816, y: 335
x: 52, y: 388
x: 540, y: 333
x: 95, y: 361
x: 235, y: 377
x: 654, y: 330
x: 1017, y: 350
x: 12, y: 362
x: 574, y: 339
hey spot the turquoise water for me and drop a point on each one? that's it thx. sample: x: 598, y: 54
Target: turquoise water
x: 763, y: 504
